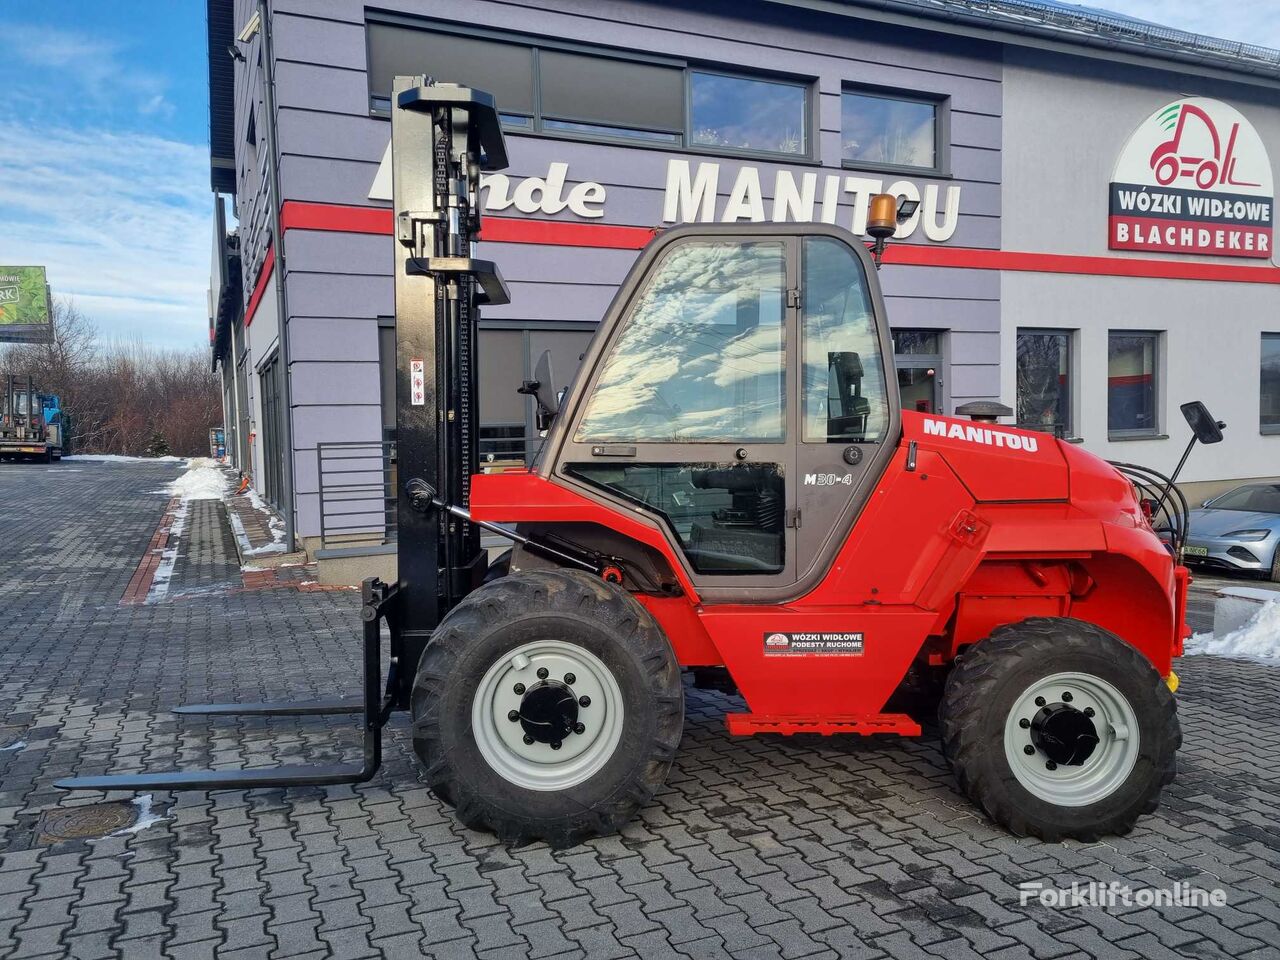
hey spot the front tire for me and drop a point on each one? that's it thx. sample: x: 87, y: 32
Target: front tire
x: 547, y: 706
x: 1057, y: 728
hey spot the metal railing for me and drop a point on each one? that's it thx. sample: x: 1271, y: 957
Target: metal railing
x: 359, y: 486
x: 358, y: 493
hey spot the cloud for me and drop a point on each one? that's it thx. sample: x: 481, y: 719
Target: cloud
x: 122, y: 221
x: 101, y: 70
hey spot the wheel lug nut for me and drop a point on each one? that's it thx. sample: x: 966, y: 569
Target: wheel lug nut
x: 555, y: 744
x: 528, y: 740
x: 513, y: 715
x: 1028, y: 749
x: 1024, y: 723
x: 584, y: 701
x: 1088, y: 711
x: 570, y: 679
x: 1066, y: 696
x: 1039, y: 701
x: 579, y: 728
x: 518, y: 688
x: 1051, y: 765
x: 542, y: 673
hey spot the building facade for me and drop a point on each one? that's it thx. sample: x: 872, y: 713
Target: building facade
x: 1058, y: 262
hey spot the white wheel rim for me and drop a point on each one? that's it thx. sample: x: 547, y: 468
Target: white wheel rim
x: 537, y: 766
x: 1106, y: 768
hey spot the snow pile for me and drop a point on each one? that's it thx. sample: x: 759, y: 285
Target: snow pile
x: 1258, y: 638
x: 117, y: 458
x: 204, y: 480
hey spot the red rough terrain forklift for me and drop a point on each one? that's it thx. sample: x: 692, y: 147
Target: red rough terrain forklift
x: 730, y: 487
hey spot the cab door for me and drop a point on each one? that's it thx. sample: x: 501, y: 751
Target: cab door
x: 849, y: 413
x: 683, y: 414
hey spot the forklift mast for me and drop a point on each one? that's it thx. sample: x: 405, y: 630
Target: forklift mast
x: 442, y: 136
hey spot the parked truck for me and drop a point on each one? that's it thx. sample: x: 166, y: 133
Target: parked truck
x: 31, y: 423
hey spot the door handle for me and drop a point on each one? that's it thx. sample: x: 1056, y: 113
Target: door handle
x: 612, y: 450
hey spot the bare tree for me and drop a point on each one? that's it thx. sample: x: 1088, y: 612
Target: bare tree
x: 117, y: 397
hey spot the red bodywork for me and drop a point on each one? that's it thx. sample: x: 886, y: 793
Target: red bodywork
x: 993, y: 525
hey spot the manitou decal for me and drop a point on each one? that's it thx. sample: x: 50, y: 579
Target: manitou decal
x: 703, y: 192
x: 1194, y: 178
x: 984, y: 435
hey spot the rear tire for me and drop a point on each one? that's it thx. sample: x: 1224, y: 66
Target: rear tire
x: 1001, y: 736
x: 552, y: 635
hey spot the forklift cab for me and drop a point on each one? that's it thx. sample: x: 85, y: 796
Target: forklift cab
x: 738, y: 394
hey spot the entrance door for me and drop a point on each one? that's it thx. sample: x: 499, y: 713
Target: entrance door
x: 918, y: 359
x: 272, y: 433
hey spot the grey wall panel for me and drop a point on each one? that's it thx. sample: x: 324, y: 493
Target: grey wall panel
x: 321, y: 86
x: 526, y: 261
x: 553, y: 301
x: 971, y: 163
x: 329, y: 338
x: 321, y: 180
x: 335, y: 422
x: 976, y: 348
x: 335, y: 295
x: 312, y: 40
x: 943, y: 314
x: 320, y: 251
x: 335, y: 382
x: 968, y: 382
x: 975, y: 130
x: 940, y: 282
x: 333, y: 135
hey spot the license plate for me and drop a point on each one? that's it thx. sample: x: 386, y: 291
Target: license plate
x: 1193, y: 551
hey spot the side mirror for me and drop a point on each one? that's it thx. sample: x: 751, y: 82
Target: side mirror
x: 544, y: 391
x: 1206, y: 429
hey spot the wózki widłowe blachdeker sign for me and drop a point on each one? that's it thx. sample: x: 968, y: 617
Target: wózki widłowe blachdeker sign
x: 1194, y: 178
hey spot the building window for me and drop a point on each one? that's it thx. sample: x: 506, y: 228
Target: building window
x: 917, y: 355
x: 1269, y: 396
x: 1132, y: 390
x: 747, y: 113
x: 891, y: 131
x: 1043, y: 377
x: 542, y: 87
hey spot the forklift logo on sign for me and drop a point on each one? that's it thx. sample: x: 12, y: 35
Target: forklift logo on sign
x: 1194, y: 178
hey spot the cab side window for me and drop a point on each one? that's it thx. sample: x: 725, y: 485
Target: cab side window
x: 702, y: 357
x: 844, y: 396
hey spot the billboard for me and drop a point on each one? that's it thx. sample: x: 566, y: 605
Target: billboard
x: 24, y: 303
x: 1194, y: 178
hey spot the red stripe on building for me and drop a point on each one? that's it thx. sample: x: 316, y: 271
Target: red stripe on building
x: 347, y: 219
x: 297, y: 215
x: 259, y: 288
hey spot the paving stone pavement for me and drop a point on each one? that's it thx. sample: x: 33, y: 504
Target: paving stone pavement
x: 760, y: 847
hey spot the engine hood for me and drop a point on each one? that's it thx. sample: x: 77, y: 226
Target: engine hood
x: 996, y: 463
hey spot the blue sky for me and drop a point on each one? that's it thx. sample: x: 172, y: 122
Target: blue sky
x: 104, y: 172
